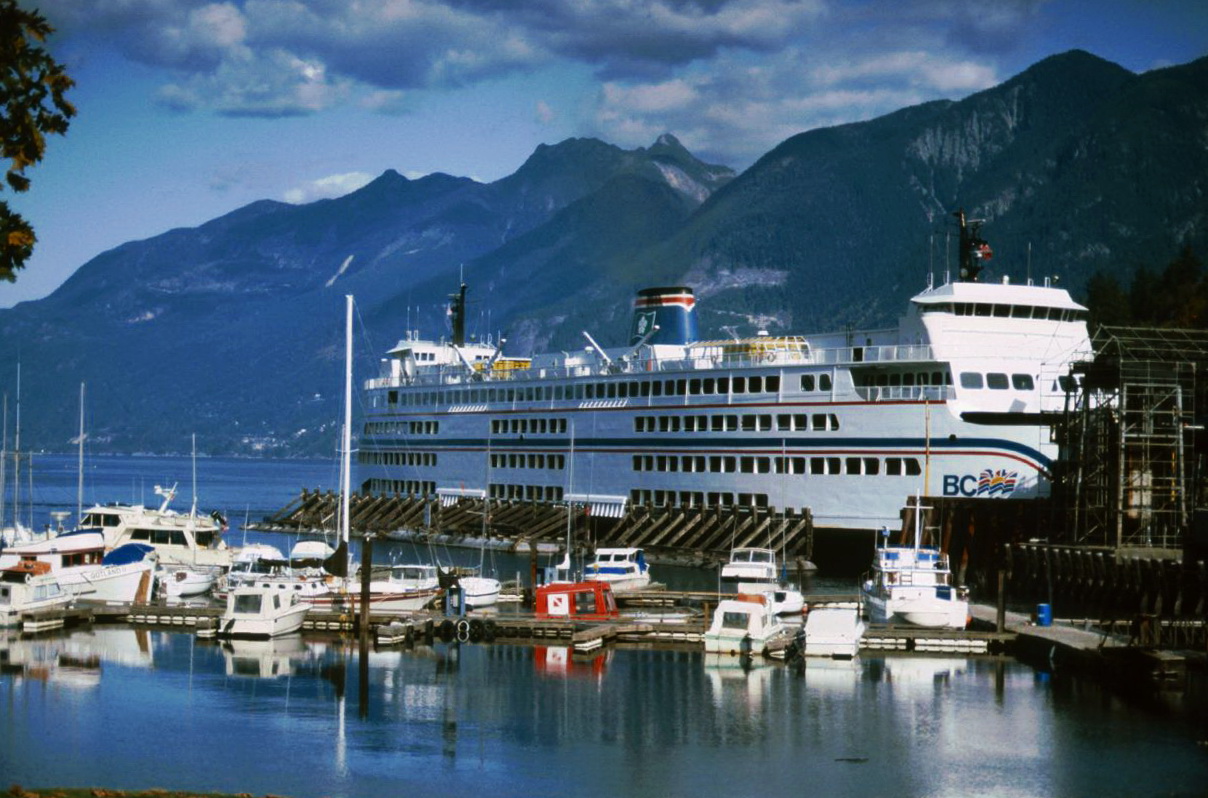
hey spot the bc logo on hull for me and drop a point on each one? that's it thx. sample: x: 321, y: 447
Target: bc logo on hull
x: 989, y: 483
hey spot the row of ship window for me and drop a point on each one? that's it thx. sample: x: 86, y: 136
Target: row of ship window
x: 973, y: 380
x: 528, y: 426
x: 555, y: 461
x: 784, y: 422
x: 402, y: 428
x: 726, y: 464
x: 987, y: 310
x: 401, y: 487
x: 689, y: 498
x: 531, y: 493
x: 612, y: 389
x: 397, y: 458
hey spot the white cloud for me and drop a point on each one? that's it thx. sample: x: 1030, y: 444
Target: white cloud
x: 327, y: 187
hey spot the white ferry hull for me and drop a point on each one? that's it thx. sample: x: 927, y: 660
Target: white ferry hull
x: 844, y: 425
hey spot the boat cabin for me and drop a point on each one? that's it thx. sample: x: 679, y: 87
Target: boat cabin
x: 590, y: 601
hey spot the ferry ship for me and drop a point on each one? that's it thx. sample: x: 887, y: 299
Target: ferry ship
x: 954, y: 401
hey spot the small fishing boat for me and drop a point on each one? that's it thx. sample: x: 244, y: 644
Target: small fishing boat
x: 913, y: 584
x: 589, y: 601
x: 744, y: 624
x: 624, y: 569
x: 833, y: 632
x: 261, y: 612
x: 29, y: 586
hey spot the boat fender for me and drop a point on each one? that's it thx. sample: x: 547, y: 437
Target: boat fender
x: 446, y: 630
x: 463, y: 631
x: 477, y: 630
x: 489, y: 631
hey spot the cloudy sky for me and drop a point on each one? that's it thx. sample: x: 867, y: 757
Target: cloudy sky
x: 189, y: 109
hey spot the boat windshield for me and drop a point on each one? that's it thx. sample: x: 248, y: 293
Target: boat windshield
x: 735, y: 620
x: 247, y: 604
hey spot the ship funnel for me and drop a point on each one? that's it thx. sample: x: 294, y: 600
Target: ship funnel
x: 672, y: 310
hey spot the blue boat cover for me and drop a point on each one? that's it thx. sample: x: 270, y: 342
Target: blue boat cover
x: 127, y: 554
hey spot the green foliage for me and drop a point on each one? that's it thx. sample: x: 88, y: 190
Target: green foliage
x: 1176, y: 298
x: 33, y: 103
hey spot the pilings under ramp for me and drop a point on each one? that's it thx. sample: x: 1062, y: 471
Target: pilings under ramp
x: 698, y: 535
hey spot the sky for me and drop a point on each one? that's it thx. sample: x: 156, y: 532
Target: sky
x: 190, y: 109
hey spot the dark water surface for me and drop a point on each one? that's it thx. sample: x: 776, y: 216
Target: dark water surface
x: 131, y: 708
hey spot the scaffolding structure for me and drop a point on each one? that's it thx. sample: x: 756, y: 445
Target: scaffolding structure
x: 1131, y: 438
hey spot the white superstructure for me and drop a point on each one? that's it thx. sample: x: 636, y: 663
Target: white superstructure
x: 846, y: 425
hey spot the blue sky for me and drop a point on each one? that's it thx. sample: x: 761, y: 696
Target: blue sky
x: 189, y: 109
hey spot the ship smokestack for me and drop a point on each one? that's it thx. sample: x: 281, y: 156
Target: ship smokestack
x: 671, y: 309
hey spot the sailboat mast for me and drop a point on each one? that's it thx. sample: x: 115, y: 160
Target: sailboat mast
x: 4, y: 461
x: 80, y: 464
x: 17, y: 458
x: 346, y: 443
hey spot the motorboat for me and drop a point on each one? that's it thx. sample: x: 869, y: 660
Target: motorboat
x: 250, y: 562
x: 913, y: 584
x: 27, y: 587
x: 786, y: 600
x: 180, y: 538
x: 750, y: 570
x: 833, y: 632
x: 754, y: 571
x: 183, y: 581
x: 590, y: 601
x: 261, y: 612
x: 744, y: 624
x: 624, y: 569
x: 84, y: 568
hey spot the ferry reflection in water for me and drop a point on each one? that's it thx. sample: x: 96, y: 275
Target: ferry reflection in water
x: 163, y: 709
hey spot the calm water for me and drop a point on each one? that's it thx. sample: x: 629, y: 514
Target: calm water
x: 128, y: 708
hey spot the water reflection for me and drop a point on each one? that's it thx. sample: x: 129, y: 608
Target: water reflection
x: 453, y: 719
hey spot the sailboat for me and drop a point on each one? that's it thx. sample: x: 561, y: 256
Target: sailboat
x: 479, y: 590
x: 17, y: 532
x: 405, y: 589
x: 913, y: 584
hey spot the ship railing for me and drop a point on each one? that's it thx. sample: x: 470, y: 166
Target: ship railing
x: 907, y: 393
x: 701, y: 359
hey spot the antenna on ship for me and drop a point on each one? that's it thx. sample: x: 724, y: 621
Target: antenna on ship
x: 973, y: 248
x: 457, y: 315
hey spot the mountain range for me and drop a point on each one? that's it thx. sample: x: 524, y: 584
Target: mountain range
x: 233, y: 330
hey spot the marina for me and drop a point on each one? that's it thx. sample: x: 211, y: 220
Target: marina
x: 428, y: 670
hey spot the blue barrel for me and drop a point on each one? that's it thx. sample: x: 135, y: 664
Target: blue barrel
x: 1044, y: 615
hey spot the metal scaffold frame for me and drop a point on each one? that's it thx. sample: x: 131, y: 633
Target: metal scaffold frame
x: 1131, y: 438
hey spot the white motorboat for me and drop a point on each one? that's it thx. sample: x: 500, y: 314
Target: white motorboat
x: 913, y: 584
x: 83, y: 567
x: 754, y: 570
x: 750, y: 570
x: 180, y: 538
x: 261, y: 612
x: 743, y: 625
x: 833, y: 632
x: 29, y: 586
x: 623, y: 568
x: 249, y: 563
x: 182, y: 581
x: 786, y: 600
